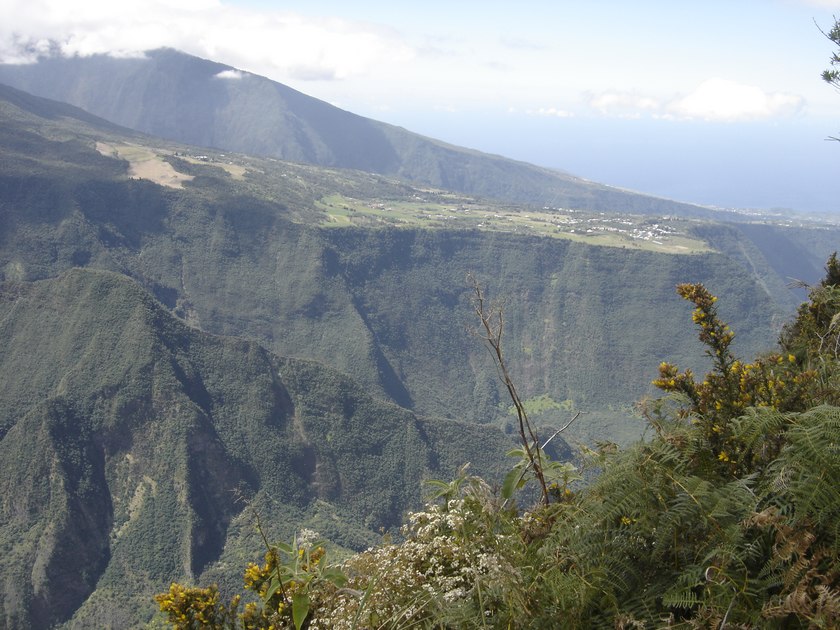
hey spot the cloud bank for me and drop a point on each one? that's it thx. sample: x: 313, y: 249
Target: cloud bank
x: 278, y: 44
x: 289, y: 47
x: 721, y: 99
x: 715, y: 99
x: 552, y: 112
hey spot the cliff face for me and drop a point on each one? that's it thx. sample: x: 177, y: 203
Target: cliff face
x: 131, y: 445
x: 131, y: 442
x: 587, y: 325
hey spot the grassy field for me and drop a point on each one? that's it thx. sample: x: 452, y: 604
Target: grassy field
x: 236, y: 171
x: 443, y: 210
x: 434, y: 209
x: 145, y: 163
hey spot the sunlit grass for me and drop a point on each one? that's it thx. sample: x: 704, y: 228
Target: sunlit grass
x: 145, y: 163
x: 453, y: 212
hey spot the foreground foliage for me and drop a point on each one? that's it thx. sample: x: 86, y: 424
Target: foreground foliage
x: 729, y: 516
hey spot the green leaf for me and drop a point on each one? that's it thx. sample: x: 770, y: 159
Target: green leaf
x: 284, y: 547
x: 512, y: 482
x: 273, y: 586
x: 300, y: 608
x: 286, y: 573
x: 335, y: 575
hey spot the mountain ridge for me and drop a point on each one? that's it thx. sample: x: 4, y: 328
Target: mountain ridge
x: 128, y: 438
x: 127, y: 434
x: 225, y: 257
x: 174, y: 95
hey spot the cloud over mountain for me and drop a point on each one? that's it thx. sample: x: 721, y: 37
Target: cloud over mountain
x: 280, y: 44
x: 230, y: 74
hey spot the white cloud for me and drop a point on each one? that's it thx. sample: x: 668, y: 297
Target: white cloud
x: 278, y: 44
x: 521, y: 43
x: 622, y: 104
x: 551, y: 112
x: 722, y: 99
x: 713, y: 100
x: 230, y: 75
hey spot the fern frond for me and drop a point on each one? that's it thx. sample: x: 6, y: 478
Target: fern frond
x: 685, y: 591
x: 808, y: 468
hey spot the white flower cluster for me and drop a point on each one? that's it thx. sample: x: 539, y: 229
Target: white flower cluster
x: 306, y: 538
x: 451, y: 557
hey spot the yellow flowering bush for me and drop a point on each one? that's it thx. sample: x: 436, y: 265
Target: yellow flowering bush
x: 727, y: 517
x: 775, y: 381
x: 188, y: 608
x: 293, y: 581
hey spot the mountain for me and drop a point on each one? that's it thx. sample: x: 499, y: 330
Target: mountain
x: 132, y: 443
x: 252, y: 252
x: 178, y: 327
x: 180, y: 97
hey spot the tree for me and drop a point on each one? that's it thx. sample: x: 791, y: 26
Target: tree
x: 832, y: 74
x: 727, y: 517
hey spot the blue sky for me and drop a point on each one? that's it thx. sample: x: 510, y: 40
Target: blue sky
x: 715, y: 102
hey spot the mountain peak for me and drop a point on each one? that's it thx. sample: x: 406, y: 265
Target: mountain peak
x: 184, y: 98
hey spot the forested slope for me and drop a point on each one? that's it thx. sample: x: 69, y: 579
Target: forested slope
x: 131, y: 445
x: 129, y: 429
x: 726, y: 515
x: 180, y: 97
x: 587, y: 324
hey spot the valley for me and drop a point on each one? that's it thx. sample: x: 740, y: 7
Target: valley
x: 185, y: 327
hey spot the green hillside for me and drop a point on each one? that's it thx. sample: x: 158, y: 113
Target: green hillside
x: 132, y: 443
x: 174, y: 95
x: 150, y: 292
x: 726, y: 516
x: 238, y: 250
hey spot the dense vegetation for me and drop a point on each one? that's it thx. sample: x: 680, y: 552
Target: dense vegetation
x: 389, y: 305
x: 131, y: 445
x: 726, y: 517
x: 129, y: 430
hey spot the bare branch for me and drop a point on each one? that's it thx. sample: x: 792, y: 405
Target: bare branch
x: 492, y: 324
x: 561, y: 429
